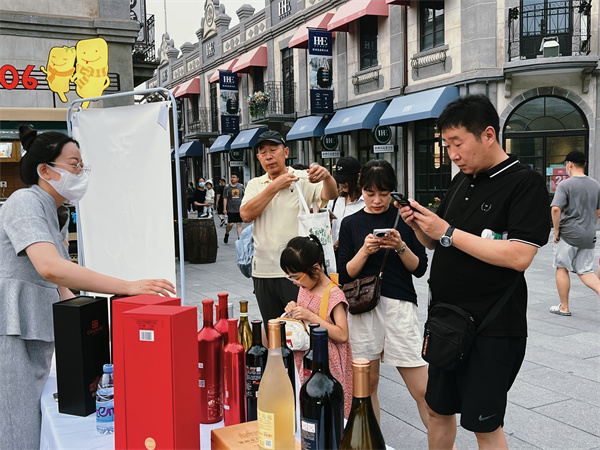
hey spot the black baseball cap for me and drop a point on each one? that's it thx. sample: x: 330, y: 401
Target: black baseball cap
x: 270, y: 136
x: 576, y: 157
x: 345, y: 168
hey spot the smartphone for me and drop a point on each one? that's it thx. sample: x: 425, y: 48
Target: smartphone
x: 402, y: 200
x: 381, y: 232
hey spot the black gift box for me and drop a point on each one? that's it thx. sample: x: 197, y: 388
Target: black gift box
x: 81, y: 336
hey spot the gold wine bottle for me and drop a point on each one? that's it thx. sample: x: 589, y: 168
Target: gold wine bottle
x: 244, y: 332
x: 276, y: 413
x: 362, y: 430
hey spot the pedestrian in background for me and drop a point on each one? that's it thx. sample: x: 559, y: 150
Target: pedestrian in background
x: 219, y: 201
x: 232, y: 200
x: 271, y: 201
x: 189, y: 196
x: 37, y: 272
x: 575, y: 211
x: 492, y: 191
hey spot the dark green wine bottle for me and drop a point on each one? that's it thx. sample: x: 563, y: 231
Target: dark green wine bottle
x: 362, y: 430
x: 321, y: 401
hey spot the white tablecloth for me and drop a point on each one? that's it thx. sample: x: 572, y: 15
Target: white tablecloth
x: 64, y: 431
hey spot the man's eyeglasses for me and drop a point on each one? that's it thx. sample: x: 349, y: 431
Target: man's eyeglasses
x: 297, y: 281
x: 80, y: 167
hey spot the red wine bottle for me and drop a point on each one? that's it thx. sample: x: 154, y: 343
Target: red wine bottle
x: 210, y: 342
x: 234, y: 368
x: 222, y: 316
x: 362, y: 430
x: 307, y: 359
x: 256, y: 361
x: 321, y: 400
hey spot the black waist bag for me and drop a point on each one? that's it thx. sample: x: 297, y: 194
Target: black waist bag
x: 449, y: 331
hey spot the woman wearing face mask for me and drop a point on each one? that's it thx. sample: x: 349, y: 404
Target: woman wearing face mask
x: 389, y: 333
x: 35, y: 272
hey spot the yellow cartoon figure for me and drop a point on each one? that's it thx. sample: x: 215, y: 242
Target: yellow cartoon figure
x: 91, y: 76
x: 61, y: 65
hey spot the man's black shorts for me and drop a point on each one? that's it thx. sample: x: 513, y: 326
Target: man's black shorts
x: 478, y: 388
x: 234, y: 217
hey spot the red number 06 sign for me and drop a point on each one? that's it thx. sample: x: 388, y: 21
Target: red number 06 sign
x: 12, y: 80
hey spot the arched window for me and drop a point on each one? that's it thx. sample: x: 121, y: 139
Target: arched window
x: 542, y: 131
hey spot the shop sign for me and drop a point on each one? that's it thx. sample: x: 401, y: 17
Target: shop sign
x: 329, y: 142
x: 236, y: 154
x: 335, y: 154
x: 237, y: 164
x: 320, y: 68
x: 382, y: 134
x: 285, y: 9
x: 229, y: 102
x: 383, y: 148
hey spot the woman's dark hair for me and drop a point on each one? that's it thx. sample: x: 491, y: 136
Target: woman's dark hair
x: 301, y: 254
x: 354, y: 191
x: 380, y: 174
x: 41, y: 148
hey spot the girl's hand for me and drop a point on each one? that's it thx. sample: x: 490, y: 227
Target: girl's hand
x: 371, y: 245
x: 393, y: 240
x: 151, y: 287
x: 289, y: 308
x: 302, y: 313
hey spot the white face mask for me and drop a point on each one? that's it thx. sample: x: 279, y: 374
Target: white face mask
x: 70, y: 186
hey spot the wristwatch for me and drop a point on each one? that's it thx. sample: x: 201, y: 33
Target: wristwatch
x: 446, y: 239
x: 402, y: 250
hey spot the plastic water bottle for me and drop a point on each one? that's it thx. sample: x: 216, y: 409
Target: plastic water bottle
x: 105, y: 404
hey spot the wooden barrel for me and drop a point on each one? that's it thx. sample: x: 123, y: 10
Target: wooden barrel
x: 200, y: 241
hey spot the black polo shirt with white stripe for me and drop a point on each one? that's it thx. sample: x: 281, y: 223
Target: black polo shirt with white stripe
x: 508, y: 198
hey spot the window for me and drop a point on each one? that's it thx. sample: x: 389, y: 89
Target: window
x: 368, y: 42
x: 258, y: 79
x: 214, y: 108
x: 287, y: 62
x: 194, y: 108
x: 432, y: 24
x: 432, y: 164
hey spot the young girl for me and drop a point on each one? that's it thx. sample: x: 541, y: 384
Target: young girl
x: 210, y: 200
x: 303, y: 261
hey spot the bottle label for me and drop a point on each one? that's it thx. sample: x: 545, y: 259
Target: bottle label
x: 213, y: 399
x: 253, y: 377
x: 308, y: 433
x: 105, y: 411
x: 266, y: 429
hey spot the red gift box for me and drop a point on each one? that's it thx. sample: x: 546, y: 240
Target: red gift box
x: 161, y: 377
x: 118, y: 307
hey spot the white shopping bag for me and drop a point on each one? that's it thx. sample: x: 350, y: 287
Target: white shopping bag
x: 316, y: 223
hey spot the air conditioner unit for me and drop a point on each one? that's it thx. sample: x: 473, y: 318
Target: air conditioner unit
x: 550, y: 47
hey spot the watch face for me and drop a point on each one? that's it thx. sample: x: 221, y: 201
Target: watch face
x: 446, y: 241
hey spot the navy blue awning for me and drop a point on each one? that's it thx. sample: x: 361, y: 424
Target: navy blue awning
x: 221, y: 144
x: 248, y: 138
x: 307, y: 127
x: 420, y: 105
x: 189, y: 149
x: 356, y: 118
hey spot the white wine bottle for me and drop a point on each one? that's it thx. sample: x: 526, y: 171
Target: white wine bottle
x: 362, y: 430
x: 276, y: 412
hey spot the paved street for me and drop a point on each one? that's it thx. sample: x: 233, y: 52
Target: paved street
x: 555, y: 401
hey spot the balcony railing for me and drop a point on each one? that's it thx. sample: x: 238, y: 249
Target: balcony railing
x: 568, y: 22
x: 146, y: 52
x: 281, y: 99
x: 200, y: 120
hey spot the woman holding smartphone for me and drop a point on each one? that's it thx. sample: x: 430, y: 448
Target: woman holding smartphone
x: 390, y: 333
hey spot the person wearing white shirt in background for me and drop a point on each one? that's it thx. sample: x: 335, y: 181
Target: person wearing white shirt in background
x: 347, y: 173
x: 210, y: 200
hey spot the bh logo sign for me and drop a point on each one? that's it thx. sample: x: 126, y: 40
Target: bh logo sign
x: 319, y: 42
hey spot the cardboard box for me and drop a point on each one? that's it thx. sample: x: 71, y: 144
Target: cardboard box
x: 81, y: 340
x: 120, y: 305
x: 161, y: 378
x: 243, y: 436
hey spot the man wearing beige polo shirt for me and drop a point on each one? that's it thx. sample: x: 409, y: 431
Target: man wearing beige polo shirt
x: 271, y: 201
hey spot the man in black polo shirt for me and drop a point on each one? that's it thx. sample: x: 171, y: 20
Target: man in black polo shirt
x: 492, y: 191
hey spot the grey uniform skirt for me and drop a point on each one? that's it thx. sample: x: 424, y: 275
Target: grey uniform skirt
x: 24, y: 369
